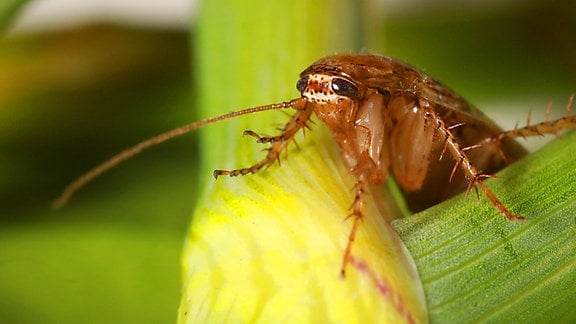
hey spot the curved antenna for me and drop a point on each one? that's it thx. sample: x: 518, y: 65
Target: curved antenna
x: 90, y: 175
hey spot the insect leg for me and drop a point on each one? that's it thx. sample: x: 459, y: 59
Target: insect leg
x: 278, y: 143
x: 539, y: 129
x: 356, y: 216
x: 475, y: 177
x: 263, y: 139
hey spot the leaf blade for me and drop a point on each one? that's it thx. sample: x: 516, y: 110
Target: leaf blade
x: 477, y: 266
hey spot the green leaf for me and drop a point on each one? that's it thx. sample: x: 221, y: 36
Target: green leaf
x: 269, y: 246
x: 477, y: 266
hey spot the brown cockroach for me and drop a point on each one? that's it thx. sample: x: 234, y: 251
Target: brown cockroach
x: 386, y: 116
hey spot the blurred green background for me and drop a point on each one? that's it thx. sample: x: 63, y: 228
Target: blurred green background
x: 71, y: 98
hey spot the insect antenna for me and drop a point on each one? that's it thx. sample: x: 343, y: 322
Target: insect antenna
x: 93, y: 173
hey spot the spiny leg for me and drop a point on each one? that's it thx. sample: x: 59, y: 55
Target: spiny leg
x: 278, y: 143
x: 264, y: 139
x: 356, y: 215
x: 547, y: 127
x: 270, y: 139
x: 475, y: 177
x: 261, y: 139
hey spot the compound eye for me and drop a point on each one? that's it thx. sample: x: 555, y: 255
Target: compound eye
x: 301, y: 84
x: 343, y: 87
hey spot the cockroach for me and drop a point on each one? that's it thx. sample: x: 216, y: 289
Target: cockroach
x: 386, y: 117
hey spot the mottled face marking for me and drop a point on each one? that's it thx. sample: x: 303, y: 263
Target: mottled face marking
x: 320, y: 89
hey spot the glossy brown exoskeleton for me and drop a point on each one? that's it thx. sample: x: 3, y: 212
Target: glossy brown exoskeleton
x: 387, y: 118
